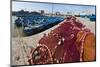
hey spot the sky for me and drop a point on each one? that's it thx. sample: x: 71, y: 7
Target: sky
x: 62, y: 8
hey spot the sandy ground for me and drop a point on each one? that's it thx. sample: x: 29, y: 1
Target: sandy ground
x: 21, y: 45
x: 89, y: 24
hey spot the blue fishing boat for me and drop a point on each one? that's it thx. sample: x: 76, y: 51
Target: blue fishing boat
x: 37, y: 23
